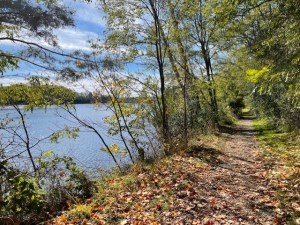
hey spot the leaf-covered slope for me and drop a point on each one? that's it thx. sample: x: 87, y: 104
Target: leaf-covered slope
x: 223, y: 182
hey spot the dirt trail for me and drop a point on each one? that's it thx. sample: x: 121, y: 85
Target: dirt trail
x: 235, y: 185
x: 229, y: 188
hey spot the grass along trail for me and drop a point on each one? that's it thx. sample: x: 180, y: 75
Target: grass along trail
x: 221, y: 180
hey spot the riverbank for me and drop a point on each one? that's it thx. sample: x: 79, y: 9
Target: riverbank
x: 222, y: 179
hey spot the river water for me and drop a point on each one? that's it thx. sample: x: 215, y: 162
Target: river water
x: 85, y: 150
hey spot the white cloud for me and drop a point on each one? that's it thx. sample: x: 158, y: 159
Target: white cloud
x: 69, y: 38
x: 85, y: 85
x: 11, y: 81
x: 74, y: 39
x: 92, y: 16
x: 87, y: 12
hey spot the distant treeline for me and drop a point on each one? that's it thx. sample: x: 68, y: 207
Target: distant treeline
x: 79, y: 98
x: 89, y: 98
x: 84, y: 98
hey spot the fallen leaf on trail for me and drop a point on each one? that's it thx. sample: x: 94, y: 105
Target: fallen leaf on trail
x: 296, y: 206
x: 123, y: 222
x: 158, y: 206
x: 89, y: 201
x: 209, y: 223
x: 76, y: 220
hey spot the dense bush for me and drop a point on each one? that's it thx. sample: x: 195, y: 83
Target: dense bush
x: 29, y: 198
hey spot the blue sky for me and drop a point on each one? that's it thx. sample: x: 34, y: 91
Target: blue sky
x: 89, y: 24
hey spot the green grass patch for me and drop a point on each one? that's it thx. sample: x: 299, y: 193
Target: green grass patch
x: 246, y: 110
x: 285, y: 145
x: 282, y: 149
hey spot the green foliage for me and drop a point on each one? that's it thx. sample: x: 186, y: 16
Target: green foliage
x: 262, y: 65
x: 276, y: 98
x: 35, y: 94
x: 233, y: 90
x: 20, y: 196
x: 271, y: 39
x: 254, y: 75
x: 72, y: 180
x: 24, y: 195
x: 80, y: 212
x: 29, y: 198
x: 7, y: 62
x: 71, y: 133
x: 114, y: 148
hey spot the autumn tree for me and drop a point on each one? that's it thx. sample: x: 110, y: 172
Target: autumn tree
x: 136, y: 27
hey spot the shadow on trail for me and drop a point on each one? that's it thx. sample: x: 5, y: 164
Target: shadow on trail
x: 237, y: 129
x: 206, y: 154
x: 244, y: 131
x: 247, y: 116
x: 211, y: 155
